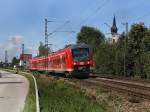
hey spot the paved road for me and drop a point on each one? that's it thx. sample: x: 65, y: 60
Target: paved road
x: 13, y: 92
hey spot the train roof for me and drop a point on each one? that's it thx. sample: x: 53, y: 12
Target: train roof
x: 37, y: 58
x: 71, y: 46
x: 81, y: 45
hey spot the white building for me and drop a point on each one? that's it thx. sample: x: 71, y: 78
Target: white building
x: 114, y: 30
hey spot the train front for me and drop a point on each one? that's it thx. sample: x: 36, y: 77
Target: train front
x: 81, y: 60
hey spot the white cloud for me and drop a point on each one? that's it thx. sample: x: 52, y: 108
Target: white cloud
x: 33, y: 49
x: 16, y: 39
x: 13, y: 46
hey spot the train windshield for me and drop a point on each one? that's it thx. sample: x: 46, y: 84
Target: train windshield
x: 80, y: 54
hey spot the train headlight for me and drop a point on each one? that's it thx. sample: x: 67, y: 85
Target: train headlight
x: 74, y: 63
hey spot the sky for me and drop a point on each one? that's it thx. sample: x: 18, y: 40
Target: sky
x: 22, y: 21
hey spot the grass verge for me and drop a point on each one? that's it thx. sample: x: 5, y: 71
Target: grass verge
x: 147, y: 110
x: 58, y: 96
x: 30, y: 104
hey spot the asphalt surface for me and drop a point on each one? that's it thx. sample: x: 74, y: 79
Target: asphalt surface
x: 13, y: 92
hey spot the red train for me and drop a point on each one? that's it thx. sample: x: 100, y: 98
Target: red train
x: 73, y: 60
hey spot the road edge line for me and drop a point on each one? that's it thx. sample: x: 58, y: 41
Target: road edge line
x: 37, y: 96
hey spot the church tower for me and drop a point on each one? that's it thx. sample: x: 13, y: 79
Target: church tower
x: 114, y: 30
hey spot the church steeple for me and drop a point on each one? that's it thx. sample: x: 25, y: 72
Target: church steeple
x: 114, y: 28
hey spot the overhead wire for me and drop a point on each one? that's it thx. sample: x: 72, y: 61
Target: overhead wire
x: 105, y: 2
x: 60, y: 27
x: 134, y: 18
x: 145, y: 15
x: 94, y: 12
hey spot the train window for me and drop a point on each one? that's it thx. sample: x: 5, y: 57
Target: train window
x: 34, y: 63
x: 58, y: 61
x: 54, y: 61
x: 63, y: 60
x: 79, y: 54
x: 49, y: 62
x: 45, y: 63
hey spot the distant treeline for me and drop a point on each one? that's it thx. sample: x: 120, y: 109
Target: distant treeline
x: 129, y: 56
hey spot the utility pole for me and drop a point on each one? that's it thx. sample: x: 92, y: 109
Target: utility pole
x: 46, y: 34
x: 23, y: 54
x: 125, y: 46
x: 22, y: 48
x: 46, y: 42
x: 6, y: 57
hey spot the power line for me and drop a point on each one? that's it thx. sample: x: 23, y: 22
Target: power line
x: 57, y: 30
x: 48, y: 34
x: 54, y: 31
x: 71, y: 31
x: 95, y: 11
x: 146, y: 15
x: 60, y: 27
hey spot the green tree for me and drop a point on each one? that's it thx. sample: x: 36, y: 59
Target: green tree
x: 42, y: 50
x: 137, y: 52
x: 15, y: 61
x: 104, y: 59
x: 135, y: 49
x: 120, y: 53
x: 146, y: 54
x: 90, y: 36
x: 1, y: 64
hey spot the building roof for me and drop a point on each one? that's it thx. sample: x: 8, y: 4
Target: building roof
x: 114, y: 28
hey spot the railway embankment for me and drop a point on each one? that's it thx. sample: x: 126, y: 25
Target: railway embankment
x: 120, y: 95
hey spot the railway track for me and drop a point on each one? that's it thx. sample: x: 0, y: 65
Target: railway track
x: 133, y: 88
x: 139, y: 80
x: 129, y: 83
